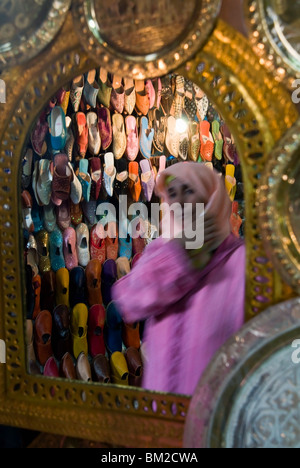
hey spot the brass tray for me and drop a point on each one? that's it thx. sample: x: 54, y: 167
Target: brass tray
x: 27, y: 27
x: 249, y: 395
x: 144, y: 39
x: 274, y: 34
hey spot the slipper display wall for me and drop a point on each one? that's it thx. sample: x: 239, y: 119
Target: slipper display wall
x: 241, y: 92
x: 72, y: 255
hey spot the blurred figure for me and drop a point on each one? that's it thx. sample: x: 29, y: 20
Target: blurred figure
x: 192, y: 300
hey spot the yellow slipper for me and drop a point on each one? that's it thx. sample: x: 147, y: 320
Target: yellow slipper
x: 119, y: 369
x: 62, y: 287
x: 230, y: 181
x: 79, y: 318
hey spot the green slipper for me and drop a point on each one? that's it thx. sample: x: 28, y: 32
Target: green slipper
x: 217, y: 136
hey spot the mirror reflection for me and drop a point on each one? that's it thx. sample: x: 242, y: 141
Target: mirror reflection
x: 133, y: 225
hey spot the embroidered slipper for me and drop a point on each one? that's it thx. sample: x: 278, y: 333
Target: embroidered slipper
x: 159, y: 125
x: 132, y: 144
x: 69, y: 248
x: 27, y: 168
x: 96, y: 177
x: 79, y: 319
x: 94, y: 139
x: 76, y: 213
x: 158, y: 89
x: 230, y: 181
x: 217, y: 136
x: 96, y: 321
x: 76, y: 92
x: 135, y: 186
x: 123, y: 266
x: 62, y: 178
x: 178, y: 102
x: 44, y: 182
x: 172, y: 137
x: 97, y: 243
x: 91, y: 89
x: 70, y: 139
x: 111, y: 241
x: 113, y: 328
x: 150, y: 92
x: 130, y: 95
x: 194, y: 149
x: 206, y: 141
x: 117, y: 98
x: 119, y: 369
x: 119, y: 136
x: 82, y: 134
x: 105, y: 127
x: 121, y: 182
x: 82, y: 244
x: 56, y: 250
x: 142, y: 105
x: 146, y: 138
x: 184, y: 146
x: 135, y: 366
x: 108, y: 279
x: 84, y: 178
x: 93, y: 282
x: 63, y: 215
x: 147, y: 179
x: 105, y: 88
x: 57, y: 128
x: 131, y: 335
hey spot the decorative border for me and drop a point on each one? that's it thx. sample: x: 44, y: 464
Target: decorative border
x: 141, y: 67
x: 279, y: 238
x: 264, y: 47
x: 40, y: 38
x: 211, y: 403
x: 228, y: 72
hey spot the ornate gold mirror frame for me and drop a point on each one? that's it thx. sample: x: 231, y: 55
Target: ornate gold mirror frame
x: 258, y: 111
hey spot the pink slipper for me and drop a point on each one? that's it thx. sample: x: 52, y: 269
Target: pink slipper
x: 69, y: 248
x: 132, y: 148
x: 151, y: 93
x: 147, y: 179
x: 97, y: 243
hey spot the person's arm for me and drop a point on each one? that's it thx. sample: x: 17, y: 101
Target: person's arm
x: 162, y: 276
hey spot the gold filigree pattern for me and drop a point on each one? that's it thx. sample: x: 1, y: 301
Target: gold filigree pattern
x: 228, y: 72
x: 279, y: 207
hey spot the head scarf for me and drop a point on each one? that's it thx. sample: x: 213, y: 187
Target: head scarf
x: 210, y: 188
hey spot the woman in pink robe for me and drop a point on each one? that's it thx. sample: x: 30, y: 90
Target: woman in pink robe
x: 192, y: 301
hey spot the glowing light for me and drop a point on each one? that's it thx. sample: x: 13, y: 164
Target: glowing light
x: 181, y: 126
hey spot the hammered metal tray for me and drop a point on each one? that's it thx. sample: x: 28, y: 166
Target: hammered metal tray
x: 249, y: 396
x: 27, y: 27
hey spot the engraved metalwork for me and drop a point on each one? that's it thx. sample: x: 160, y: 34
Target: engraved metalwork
x: 249, y: 395
x: 274, y: 34
x: 160, y: 35
x: 26, y: 28
x: 279, y: 207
